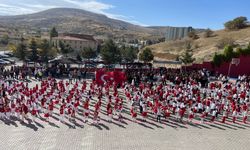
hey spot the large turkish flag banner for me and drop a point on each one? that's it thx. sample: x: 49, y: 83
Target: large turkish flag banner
x: 103, y: 76
x: 119, y: 77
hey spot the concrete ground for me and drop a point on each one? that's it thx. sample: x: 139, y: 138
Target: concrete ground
x: 126, y: 135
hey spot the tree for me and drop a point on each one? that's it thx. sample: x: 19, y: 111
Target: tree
x: 44, y: 50
x: 237, y: 23
x: 228, y: 53
x: 218, y: 59
x: 65, y: 49
x: 187, y: 57
x: 98, y: 49
x: 53, y: 33
x: 163, y: 39
x: 21, y: 50
x: 12, y: 47
x: 88, y: 53
x: 149, y: 42
x: 110, y: 52
x: 34, y: 52
x: 5, y: 40
x: 208, y: 33
x: 146, y: 55
x: 78, y: 57
x: 193, y: 35
x: 136, y: 41
x: 129, y: 54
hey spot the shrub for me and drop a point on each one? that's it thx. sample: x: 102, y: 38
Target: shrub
x: 237, y: 23
x: 208, y: 33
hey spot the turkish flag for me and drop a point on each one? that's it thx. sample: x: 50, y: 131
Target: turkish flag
x: 103, y: 76
x: 119, y: 77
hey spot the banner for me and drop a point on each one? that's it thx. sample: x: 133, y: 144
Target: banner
x: 103, y: 76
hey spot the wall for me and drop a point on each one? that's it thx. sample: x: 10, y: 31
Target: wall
x: 242, y: 69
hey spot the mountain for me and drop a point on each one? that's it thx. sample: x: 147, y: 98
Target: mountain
x: 79, y: 21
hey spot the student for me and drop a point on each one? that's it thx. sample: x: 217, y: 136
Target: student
x: 33, y: 113
x: 133, y: 114
x: 158, y: 114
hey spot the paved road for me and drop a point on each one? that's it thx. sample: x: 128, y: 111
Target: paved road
x: 150, y: 135
x: 123, y: 136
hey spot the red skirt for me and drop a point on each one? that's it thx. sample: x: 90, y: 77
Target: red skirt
x: 86, y: 114
x: 2, y: 110
x: 167, y: 114
x: 33, y: 112
x: 144, y: 114
x: 134, y: 115
x: 17, y: 110
x: 191, y: 116
x: 46, y: 115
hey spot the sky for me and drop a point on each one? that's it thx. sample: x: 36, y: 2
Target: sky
x: 196, y: 13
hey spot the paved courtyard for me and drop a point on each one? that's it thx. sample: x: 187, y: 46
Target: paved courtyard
x: 124, y: 136
x: 150, y: 135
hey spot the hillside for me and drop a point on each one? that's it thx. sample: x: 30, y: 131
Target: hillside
x: 79, y: 21
x: 204, y: 48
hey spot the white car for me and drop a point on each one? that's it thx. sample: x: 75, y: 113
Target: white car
x: 3, y: 62
x: 9, y: 60
x: 3, y: 56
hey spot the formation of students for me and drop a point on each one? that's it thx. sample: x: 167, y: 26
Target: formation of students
x: 216, y: 102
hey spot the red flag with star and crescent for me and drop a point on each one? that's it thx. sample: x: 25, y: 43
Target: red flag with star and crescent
x: 103, y: 76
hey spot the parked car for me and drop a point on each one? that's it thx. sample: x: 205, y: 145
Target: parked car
x: 9, y: 60
x: 9, y: 54
x: 3, y: 62
x: 4, y: 56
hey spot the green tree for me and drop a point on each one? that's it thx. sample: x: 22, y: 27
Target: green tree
x: 149, y: 42
x: 44, y: 50
x: 88, y: 53
x: 53, y: 33
x: 21, y: 50
x: 110, y: 52
x: 187, y: 57
x: 237, y: 23
x: 246, y: 51
x: 218, y: 59
x: 228, y: 53
x: 163, y: 39
x: 78, y: 57
x: 146, y: 55
x: 136, y: 41
x: 65, y: 49
x: 12, y: 47
x: 34, y: 52
x: 129, y: 54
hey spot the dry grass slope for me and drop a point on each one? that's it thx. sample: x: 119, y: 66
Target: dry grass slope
x: 204, y: 48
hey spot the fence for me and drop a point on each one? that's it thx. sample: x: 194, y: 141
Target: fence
x: 243, y: 68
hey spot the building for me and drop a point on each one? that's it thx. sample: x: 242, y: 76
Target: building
x: 76, y: 41
x: 177, y: 33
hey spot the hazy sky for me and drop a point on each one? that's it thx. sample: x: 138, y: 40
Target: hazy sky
x: 196, y: 13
